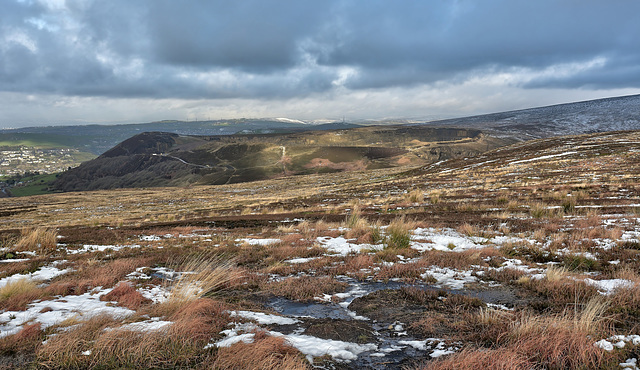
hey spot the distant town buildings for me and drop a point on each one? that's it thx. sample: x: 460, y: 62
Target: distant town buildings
x: 14, y: 161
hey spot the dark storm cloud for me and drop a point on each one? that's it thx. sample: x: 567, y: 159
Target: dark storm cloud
x: 252, y: 34
x: 439, y: 42
x: 286, y: 48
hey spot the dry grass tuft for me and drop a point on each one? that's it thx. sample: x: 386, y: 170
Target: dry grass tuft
x: 305, y: 288
x: 25, y: 341
x: 557, y: 342
x: 354, y: 219
x: 358, y: 265
x: 179, y: 345
x: 625, y: 307
x: 405, y: 271
x: 64, y: 351
x: 592, y: 318
x: 203, y: 275
x: 556, y: 292
x: 15, y: 295
x: 126, y: 296
x: 399, y: 234
x: 39, y: 239
x: 468, y: 229
x: 16, y: 287
x: 473, y: 359
x: 91, y: 274
x: 555, y: 273
x: 415, y: 196
x: 266, y: 352
x: 525, y: 341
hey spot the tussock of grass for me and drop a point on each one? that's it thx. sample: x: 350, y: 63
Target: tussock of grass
x: 592, y: 317
x: 305, y: 288
x: 126, y: 296
x: 557, y: 292
x: 557, y: 342
x: 354, y: 265
x: 524, y: 341
x: 505, y: 275
x: 16, y: 287
x: 92, y: 273
x: 473, y: 359
x: 415, y: 196
x: 354, y: 219
x: 39, y: 239
x: 25, y: 341
x: 202, y: 275
x: 555, y: 273
x: 15, y: 295
x: 541, y: 210
x: 266, y: 353
x: 468, y: 230
x: 179, y: 345
x: 64, y: 351
x: 625, y: 307
x: 405, y: 271
x: 463, y: 260
x: 399, y: 234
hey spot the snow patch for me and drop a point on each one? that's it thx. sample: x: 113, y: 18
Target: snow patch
x: 49, y: 313
x: 44, y: 273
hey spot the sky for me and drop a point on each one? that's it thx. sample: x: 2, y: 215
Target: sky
x: 125, y: 61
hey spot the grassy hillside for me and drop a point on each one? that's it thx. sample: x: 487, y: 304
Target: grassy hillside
x: 33, y: 185
x: 165, y: 159
x: 42, y: 141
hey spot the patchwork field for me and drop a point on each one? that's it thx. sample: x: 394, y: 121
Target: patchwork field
x: 526, y: 256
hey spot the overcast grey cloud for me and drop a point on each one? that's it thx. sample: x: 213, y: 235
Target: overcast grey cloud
x: 68, y: 59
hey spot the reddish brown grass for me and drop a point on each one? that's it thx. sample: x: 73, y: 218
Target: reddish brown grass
x: 105, y: 275
x: 524, y: 341
x: 353, y: 265
x: 559, y: 292
x: 506, y: 275
x: 405, y: 271
x: 305, y: 288
x: 126, y: 296
x: 38, y: 239
x: 461, y: 260
x: 266, y: 352
x: 558, y: 347
x: 15, y: 295
x: 24, y: 341
x: 179, y: 345
x: 474, y: 359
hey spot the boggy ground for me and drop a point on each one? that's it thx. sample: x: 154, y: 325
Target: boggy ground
x: 525, y: 257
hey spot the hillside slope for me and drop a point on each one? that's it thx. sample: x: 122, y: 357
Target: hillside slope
x: 166, y: 159
x: 602, y: 115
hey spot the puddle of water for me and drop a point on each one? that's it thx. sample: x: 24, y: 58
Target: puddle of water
x: 314, y: 310
x: 387, y: 339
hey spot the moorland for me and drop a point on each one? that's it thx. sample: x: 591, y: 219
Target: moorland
x: 517, y: 256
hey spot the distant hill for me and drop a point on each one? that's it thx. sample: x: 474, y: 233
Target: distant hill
x: 168, y: 159
x: 602, y: 115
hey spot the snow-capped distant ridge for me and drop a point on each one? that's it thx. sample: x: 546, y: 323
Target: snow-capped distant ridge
x: 602, y: 115
x: 288, y: 120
